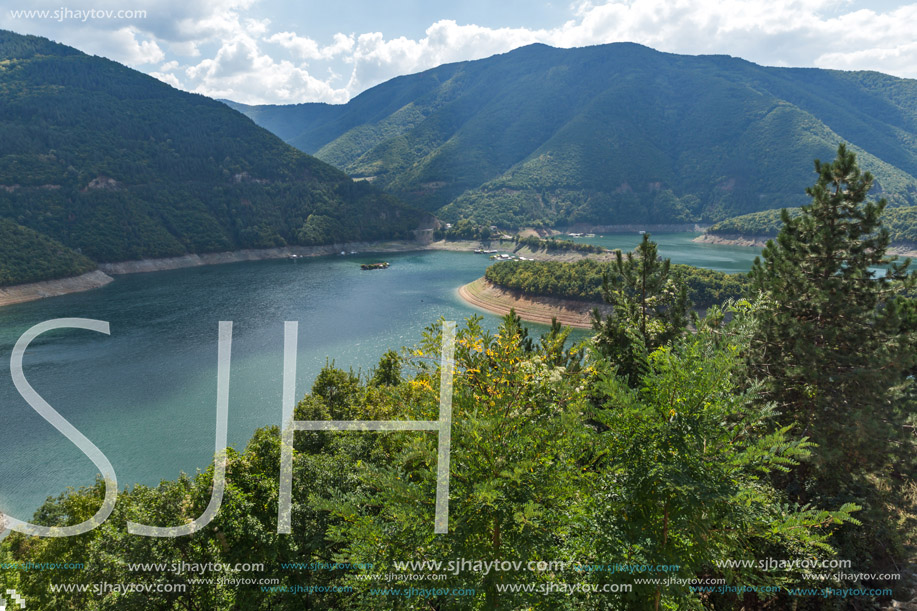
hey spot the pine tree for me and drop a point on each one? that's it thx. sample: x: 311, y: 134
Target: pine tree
x: 649, y: 309
x: 836, y: 340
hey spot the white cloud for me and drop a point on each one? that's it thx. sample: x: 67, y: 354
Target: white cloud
x: 166, y: 77
x: 242, y: 72
x: 376, y: 60
x: 306, y: 48
x: 132, y: 51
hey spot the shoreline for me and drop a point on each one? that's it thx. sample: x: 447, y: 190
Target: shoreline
x: 22, y: 293
x: 483, y: 295
x: 732, y: 239
x: 142, y: 266
x: 33, y: 291
x: 632, y: 228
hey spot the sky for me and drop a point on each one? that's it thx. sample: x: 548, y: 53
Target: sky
x: 269, y: 52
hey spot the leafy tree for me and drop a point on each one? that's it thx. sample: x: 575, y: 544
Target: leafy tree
x: 682, y: 471
x: 649, y: 308
x: 388, y: 373
x: 515, y: 479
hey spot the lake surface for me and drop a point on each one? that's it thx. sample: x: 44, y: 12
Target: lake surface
x: 681, y: 248
x: 146, y: 394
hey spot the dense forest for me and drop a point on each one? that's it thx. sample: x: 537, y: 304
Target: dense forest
x: 901, y: 224
x: 778, y: 430
x: 608, y: 134
x: 553, y: 245
x: 582, y: 280
x: 28, y: 256
x: 117, y: 165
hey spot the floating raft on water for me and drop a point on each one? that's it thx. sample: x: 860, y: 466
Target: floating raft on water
x: 382, y: 265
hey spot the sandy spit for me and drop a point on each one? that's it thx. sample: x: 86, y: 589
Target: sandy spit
x: 486, y: 296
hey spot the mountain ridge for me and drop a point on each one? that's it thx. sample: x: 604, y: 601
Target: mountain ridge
x: 609, y: 134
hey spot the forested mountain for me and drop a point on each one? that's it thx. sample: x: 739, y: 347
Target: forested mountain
x: 609, y: 134
x: 118, y: 165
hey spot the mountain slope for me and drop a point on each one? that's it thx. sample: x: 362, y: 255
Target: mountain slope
x: 118, y: 165
x: 615, y: 133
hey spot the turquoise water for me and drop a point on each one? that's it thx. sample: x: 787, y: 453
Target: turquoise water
x: 146, y: 394
x: 681, y: 248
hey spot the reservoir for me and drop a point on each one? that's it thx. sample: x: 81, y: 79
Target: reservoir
x: 681, y: 248
x: 146, y: 394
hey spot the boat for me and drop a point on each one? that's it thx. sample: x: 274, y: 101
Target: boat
x: 379, y: 265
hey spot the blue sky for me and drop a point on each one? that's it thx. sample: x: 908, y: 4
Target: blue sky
x: 259, y: 51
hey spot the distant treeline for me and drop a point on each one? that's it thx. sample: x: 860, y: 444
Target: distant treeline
x: 464, y: 230
x: 551, y: 245
x: 582, y: 280
x: 901, y: 224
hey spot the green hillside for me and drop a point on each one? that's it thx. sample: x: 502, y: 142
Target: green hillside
x: 28, y: 256
x: 609, y: 134
x: 118, y: 165
x: 901, y: 224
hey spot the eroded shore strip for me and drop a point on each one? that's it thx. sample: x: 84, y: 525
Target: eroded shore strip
x: 21, y: 293
x: 236, y: 256
x: 491, y: 298
x: 53, y: 288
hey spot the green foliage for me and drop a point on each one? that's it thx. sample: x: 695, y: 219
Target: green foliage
x: 649, y: 309
x: 835, y: 343
x: 554, y: 245
x: 582, y: 280
x: 682, y: 472
x: 388, y: 373
x: 554, y: 457
x: 609, y: 134
x: 118, y: 165
x: 28, y: 256
x: 515, y: 480
x: 464, y: 230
